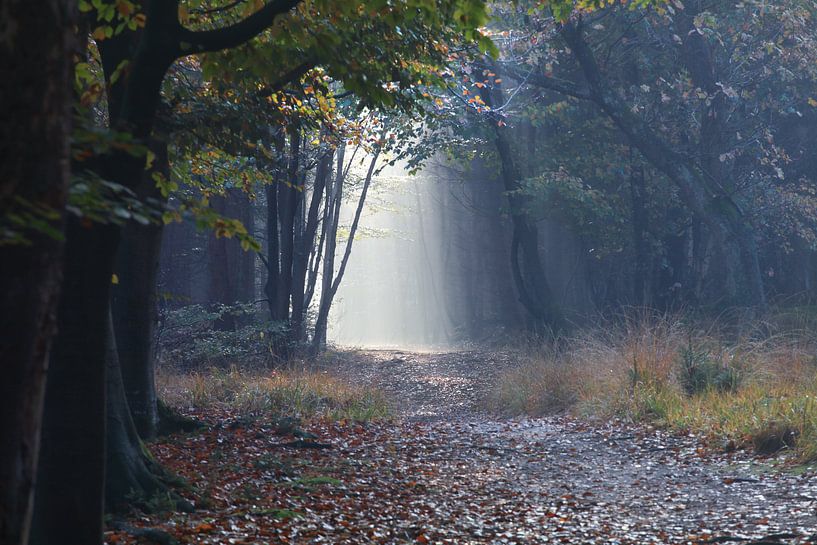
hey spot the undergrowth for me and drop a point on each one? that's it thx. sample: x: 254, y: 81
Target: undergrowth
x: 291, y: 393
x: 751, y: 389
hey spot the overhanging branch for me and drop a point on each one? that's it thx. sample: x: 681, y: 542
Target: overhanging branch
x: 236, y: 34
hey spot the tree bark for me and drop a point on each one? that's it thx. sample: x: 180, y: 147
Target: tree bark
x: 531, y: 282
x: 300, y: 264
x: 69, y: 496
x: 134, y: 304
x: 35, y: 127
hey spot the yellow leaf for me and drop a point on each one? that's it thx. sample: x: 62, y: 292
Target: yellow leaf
x: 114, y: 279
x: 98, y: 33
x: 812, y: 102
x: 124, y: 8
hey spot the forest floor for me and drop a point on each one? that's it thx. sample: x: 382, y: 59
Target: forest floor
x: 446, y: 471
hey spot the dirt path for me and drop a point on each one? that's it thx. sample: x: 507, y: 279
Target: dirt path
x: 568, y: 481
x: 448, y: 473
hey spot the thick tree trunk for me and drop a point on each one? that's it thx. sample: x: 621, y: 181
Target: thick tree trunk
x: 132, y: 476
x: 69, y: 497
x: 35, y: 126
x: 134, y: 305
x: 135, y: 317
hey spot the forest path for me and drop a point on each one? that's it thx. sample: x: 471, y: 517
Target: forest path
x: 448, y: 472
x: 559, y: 479
x: 427, y: 385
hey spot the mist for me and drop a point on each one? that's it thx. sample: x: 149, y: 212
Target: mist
x: 394, y: 291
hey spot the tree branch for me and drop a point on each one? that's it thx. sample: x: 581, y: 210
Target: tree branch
x: 544, y: 82
x: 236, y: 34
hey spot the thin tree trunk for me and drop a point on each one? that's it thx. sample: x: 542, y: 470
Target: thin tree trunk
x: 273, y: 253
x: 335, y: 280
x: 288, y: 193
x: 335, y: 192
x: 316, y: 261
x: 300, y: 265
x: 529, y: 275
x: 221, y: 287
x: 35, y: 127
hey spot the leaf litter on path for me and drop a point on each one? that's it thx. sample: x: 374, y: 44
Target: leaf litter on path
x: 448, y: 474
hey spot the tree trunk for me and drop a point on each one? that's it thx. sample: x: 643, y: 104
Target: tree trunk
x: 316, y: 255
x: 332, y: 281
x: 35, y: 127
x: 716, y: 207
x: 134, y: 305
x: 222, y: 282
x: 529, y: 275
x: 69, y: 496
x: 273, y: 261
x: 288, y: 194
x: 132, y: 476
x: 300, y: 265
x: 332, y: 217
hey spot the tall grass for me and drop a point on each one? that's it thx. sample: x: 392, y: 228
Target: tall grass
x: 751, y: 388
x: 296, y: 393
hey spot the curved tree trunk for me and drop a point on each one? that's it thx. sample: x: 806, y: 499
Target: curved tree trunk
x: 529, y: 275
x: 35, y: 126
x: 131, y: 476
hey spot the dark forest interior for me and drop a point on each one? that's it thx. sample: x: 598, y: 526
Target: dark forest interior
x: 408, y: 271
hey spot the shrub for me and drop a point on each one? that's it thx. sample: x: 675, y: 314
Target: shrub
x: 699, y: 371
x: 194, y: 336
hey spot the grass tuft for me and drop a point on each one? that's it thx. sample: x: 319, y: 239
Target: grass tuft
x: 300, y: 394
x: 751, y: 391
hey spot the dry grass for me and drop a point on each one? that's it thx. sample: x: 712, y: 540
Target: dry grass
x: 744, y: 390
x: 297, y: 393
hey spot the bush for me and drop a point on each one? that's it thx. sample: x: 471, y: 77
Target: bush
x: 699, y: 371
x: 195, y: 336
